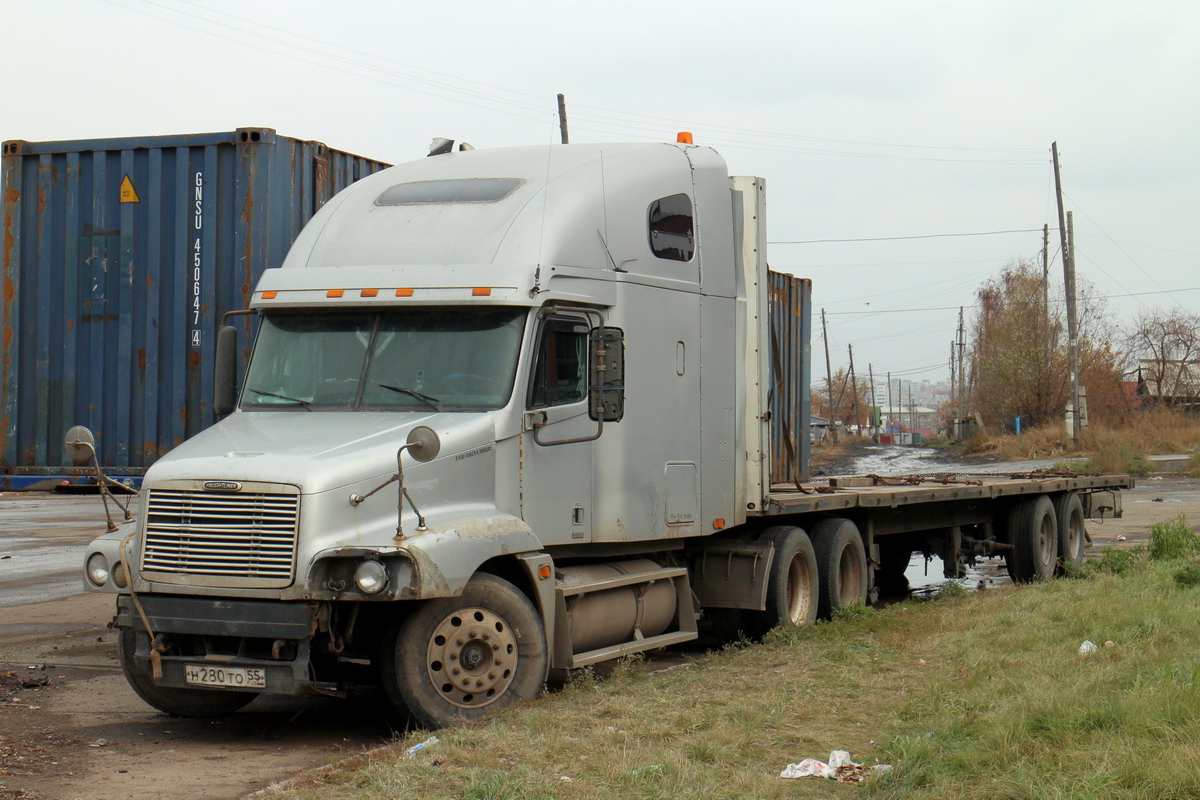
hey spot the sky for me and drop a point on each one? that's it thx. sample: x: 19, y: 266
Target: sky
x: 906, y: 146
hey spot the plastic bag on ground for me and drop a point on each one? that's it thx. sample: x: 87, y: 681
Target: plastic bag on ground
x: 1087, y: 648
x: 809, y: 766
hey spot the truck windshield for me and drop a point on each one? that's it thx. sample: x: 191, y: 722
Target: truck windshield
x: 447, y: 359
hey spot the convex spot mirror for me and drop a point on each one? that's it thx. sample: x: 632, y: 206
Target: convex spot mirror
x: 424, y: 444
x: 80, y: 444
x: 606, y: 374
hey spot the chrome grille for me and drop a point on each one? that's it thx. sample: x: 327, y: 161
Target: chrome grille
x: 228, y: 534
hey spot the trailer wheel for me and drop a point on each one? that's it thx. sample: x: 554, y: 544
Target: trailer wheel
x: 841, y: 565
x: 1033, y: 533
x: 464, y: 658
x: 169, y: 699
x: 791, y: 583
x: 1068, y: 511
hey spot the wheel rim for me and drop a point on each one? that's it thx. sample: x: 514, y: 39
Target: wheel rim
x: 1074, y: 536
x: 799, y: 598
x: 1047, y: 544
x: 472, y: 657
x: 849, y: 578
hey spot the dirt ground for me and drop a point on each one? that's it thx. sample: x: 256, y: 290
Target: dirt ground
x: 71, y: 728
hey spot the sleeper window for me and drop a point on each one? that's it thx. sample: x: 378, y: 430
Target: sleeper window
x: 671, y: 232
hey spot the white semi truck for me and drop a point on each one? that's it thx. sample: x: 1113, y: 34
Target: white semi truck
x: 519, y: 410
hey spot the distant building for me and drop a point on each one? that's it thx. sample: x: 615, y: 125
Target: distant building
x: 1171, y: 383
x: 911, y: 419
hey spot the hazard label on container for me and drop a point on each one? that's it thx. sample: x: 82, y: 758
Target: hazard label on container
x: 128, y: 193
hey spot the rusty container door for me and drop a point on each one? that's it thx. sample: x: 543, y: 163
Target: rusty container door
x: 119, y: 258
x: 789, y: 301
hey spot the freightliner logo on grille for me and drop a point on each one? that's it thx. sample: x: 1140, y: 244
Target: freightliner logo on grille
x: 222, y: 486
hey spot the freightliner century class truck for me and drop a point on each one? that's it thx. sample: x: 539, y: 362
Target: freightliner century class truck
x: 509, y: 412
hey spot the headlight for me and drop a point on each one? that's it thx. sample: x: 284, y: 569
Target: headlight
x: 371, y: 577
x: 97, y: 569
x: 120, y: 575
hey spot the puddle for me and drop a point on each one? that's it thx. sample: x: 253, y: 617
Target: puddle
x: 925, y: 578
x: 882, y: 459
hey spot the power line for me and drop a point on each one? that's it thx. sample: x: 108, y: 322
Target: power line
x: 897, y: 238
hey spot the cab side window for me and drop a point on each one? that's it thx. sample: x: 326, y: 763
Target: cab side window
x: 672, y: 235
x: 560, y: 369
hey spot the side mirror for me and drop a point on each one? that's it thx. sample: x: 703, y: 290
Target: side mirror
x: 606, y: 374
x: 225, y: 379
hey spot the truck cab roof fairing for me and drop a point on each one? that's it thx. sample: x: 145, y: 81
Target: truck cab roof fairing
x: 554, y: 210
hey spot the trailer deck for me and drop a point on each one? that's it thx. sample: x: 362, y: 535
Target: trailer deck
x: 876, y: 491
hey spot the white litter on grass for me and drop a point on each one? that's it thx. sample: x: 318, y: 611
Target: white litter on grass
x: 809, y: 766
x: 1087, y: 648
x: 416, y: 748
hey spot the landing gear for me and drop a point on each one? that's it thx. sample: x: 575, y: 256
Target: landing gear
x: 463, y: 658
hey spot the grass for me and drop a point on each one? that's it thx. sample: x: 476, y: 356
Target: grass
x: 980, y: 695
x: 1103, y: 449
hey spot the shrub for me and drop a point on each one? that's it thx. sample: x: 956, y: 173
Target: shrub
x: 1117, y: 561
x: 1173, y: 540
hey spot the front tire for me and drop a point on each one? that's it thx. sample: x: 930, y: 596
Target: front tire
x: 463, y: 658
x: 171, y: 700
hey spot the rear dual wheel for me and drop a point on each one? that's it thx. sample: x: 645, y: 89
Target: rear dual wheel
x: 1033, y: 533
x: 1072, y: 535
x: 463, y: 658
x: 841, y: 564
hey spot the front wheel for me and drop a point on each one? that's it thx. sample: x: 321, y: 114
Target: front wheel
x: 463, y: 658
x: 180, y: 702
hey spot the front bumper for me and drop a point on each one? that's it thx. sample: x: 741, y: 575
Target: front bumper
x: 272, y: 636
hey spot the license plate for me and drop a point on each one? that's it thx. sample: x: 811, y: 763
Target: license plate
x: 226, y: 677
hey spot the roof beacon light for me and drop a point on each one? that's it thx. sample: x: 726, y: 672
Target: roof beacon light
x: 684, y: 137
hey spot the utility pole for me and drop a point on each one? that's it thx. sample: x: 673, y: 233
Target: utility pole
x: 828, y: 378
x: 854, y: 389
x: 912, y: 417
x: 871, y: 377
x: 1069, y: 280
x: 891, y: 408
x: 1073, y: 332
x: 562, y: 116
x: 962, y: 394
x: 1046, y: 266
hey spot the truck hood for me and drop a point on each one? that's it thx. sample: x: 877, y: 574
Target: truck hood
x: 317, y: 451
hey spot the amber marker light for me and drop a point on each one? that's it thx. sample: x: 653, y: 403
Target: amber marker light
x: 481, y: 291
x: 544, y: 571
x: 718, y: 524
x: 369, y: 293
x: 684, y: 137
x: 335, y: 293
x: 268, y: 295
x: 404, y: 293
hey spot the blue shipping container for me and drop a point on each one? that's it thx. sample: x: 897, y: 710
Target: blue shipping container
x: 119, y: 258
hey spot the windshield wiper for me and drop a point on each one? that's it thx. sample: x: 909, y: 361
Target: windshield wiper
x: 432, y: 402
x: 297, y: 400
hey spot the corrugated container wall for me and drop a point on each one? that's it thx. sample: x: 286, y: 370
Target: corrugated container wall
x: 789, y: 301
x: 119, y: 258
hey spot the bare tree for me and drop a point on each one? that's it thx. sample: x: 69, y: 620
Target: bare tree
x: 1164, y: 347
